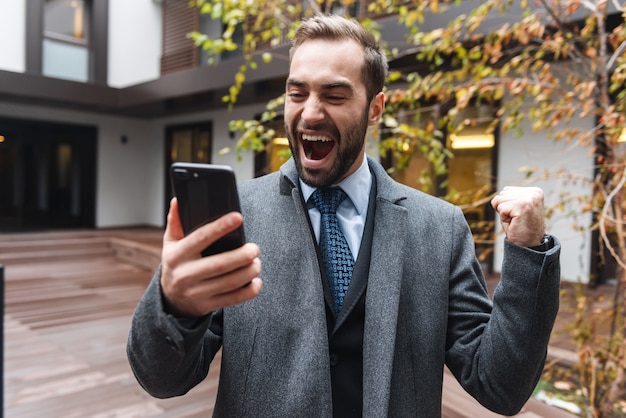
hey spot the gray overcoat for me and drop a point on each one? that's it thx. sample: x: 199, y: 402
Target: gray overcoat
x: 426, y: 306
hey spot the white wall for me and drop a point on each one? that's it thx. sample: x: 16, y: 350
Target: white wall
x: 552, y: 161
x: 130, y: 175
x: 12, y: 35
x: 134, y: 42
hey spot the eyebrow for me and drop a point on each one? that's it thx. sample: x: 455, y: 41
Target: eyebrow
x: 325, y: 86
x: 295, y: 83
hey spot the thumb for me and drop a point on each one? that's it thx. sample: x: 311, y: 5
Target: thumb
x: 173, y: 229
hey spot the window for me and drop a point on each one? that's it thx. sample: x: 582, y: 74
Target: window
x: 179, y: 52
x: 65, y: 47
x: 191, y: 145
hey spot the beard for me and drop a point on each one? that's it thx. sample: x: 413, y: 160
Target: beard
x: 349, y: 148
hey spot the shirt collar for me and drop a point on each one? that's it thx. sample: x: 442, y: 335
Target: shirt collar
x: 357, y: 186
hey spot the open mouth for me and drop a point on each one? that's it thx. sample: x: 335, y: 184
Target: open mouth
x: 317, y: 147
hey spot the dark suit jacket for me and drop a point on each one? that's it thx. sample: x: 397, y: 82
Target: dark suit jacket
x: 426, y: 304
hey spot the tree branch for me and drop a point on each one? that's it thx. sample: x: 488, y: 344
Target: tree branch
x: 616, y: 54
x: 604, y: 214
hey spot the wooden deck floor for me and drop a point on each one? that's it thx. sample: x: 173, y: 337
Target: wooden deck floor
x: 69, y: 297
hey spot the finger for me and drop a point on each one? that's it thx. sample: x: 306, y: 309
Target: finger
x: 240, y: 295
x: 517, y: 200
x: 508, y: 193
x: 232, y: 260
x: 508, y: 209
x: 237, y: 296
x: 226, y: 283
x: 201, y: 238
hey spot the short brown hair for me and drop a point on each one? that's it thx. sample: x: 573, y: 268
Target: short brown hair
x: 334, y: 27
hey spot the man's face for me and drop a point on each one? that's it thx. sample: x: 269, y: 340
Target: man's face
x: 326, y: 110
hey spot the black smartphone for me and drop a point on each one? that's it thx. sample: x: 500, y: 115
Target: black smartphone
x: 205, y: 192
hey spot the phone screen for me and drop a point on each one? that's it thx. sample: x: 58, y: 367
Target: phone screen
x: 205, y: 192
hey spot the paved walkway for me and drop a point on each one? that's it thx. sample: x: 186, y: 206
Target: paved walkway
x: 69, y: 297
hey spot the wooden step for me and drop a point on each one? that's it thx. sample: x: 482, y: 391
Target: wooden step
x: 34, y: 247
x: 141, y: 248
x: 58, y: 252
x: 35, y: 244
x: 138, y: 253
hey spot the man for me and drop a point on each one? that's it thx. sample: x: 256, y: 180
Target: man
x: 297, y: 343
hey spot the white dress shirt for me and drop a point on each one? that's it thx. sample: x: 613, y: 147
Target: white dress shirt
x: 352, y: 212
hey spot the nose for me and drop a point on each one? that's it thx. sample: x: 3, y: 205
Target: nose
x: 313, y: 110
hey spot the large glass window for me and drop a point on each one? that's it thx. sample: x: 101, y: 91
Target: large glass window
x: 66, y: 41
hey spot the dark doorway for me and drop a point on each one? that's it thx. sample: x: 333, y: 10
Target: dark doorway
x: 47, y: 175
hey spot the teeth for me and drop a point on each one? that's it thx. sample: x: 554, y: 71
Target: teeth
x: 316, y: 138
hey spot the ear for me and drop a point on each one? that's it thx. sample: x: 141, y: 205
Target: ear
x: 377, y: 105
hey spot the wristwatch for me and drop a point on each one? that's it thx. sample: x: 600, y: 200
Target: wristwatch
x: 545, y: 244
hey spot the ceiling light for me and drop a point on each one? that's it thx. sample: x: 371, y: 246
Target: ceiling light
x: 280, y: 141
x: 470, y: 141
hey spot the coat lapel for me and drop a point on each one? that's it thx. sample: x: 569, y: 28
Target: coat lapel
x: 383, y: 294
x: 290, y: 185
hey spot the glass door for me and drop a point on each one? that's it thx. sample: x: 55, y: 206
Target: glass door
x: 190, y: 143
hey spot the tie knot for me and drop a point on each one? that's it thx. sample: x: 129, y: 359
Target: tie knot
x: 327, y: 200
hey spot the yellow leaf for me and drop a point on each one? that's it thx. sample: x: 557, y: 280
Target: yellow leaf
x: 463, y: 96
x: 498, y: 92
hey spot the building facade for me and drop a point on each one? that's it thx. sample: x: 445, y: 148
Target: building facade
x: 99, y: 97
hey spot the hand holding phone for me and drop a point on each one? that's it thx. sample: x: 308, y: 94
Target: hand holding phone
x: 193, y: 287
x: 205, y: 192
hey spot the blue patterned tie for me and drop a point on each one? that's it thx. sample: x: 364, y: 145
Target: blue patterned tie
x: 336, y: 254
